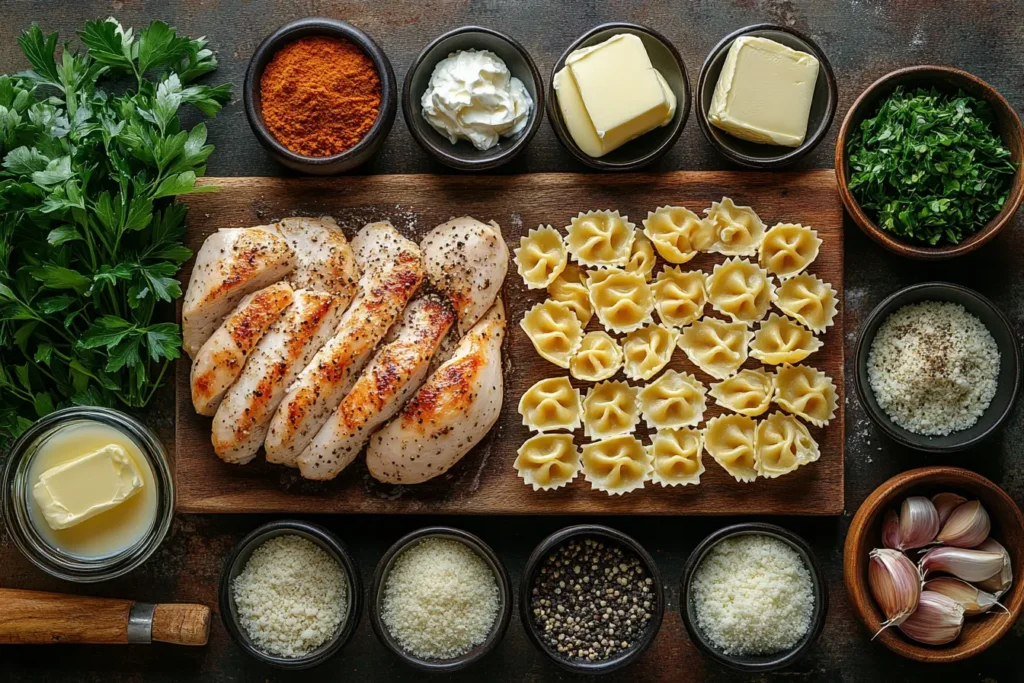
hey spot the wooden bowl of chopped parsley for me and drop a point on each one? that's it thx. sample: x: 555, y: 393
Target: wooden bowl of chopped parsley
x: 928, y: 162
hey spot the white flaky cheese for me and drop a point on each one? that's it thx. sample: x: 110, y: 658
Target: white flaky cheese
x: 80, y: 489
x: 764, y: 93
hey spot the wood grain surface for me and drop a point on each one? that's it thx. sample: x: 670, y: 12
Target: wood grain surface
x: 484, y: 482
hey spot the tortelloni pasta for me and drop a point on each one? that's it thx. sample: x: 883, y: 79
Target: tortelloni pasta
x: 748, y: 393
x: 679, y: 297
x: 641, y: 257
x: 541, y: 257
x: 809, y: 300
x: 600, y: 238
x: 599, y: 357
x: 676, y: 457
x: 729, y: 439
x: 548, y: 461
x: 622, y: 301
x: 570, y: 288
x: 677, y: 233
x: 554, y: 330
x: 617, y: 465
x: 551, y: 404
x: 783, y: 444
x: 736, y: 230
x: 647, y: 350
x: 740, y: 290
x: 717, y: 347
x: 780, y: 340
x: 806, y: 392
x: 674, y: 400
x: 609, y: 409
x: 788, y: 248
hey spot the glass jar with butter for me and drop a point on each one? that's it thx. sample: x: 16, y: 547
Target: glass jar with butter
x: 88, y: 494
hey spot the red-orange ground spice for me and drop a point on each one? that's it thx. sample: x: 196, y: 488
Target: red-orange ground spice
x: 321, y: 95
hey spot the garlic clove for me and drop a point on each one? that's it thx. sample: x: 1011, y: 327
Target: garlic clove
x: 945, y: 503
x: 895, y: 584
x: 919, y: 522
x: 891, y: 530
x: 1001, y: 582
x: 936, y: 621
x: 968, y: 525
x: 973, y: 600
x: 967, y: 564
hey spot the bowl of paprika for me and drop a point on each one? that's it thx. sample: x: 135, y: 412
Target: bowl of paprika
x: 320, y: 95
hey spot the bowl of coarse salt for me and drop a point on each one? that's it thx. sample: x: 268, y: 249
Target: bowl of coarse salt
x: 938, y: 367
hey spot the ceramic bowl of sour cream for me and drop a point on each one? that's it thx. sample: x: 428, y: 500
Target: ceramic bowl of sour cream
x: 473, y: 98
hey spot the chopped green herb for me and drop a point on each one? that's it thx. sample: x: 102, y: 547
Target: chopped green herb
x: 929, y: 167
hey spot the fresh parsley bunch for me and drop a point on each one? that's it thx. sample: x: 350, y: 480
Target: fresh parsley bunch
x: 90, y: 240
x: 929, y: 167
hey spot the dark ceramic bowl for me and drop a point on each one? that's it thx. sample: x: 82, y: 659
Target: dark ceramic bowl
x: 463, y: 155
x: 1009, y: 369
x: 753, y: 154
x: 755, y: 663
x: 236, y: 562
x: 504, y: 599
x: 950, y: 80
x: 365, y: 148
x: 651, y: 145
x: 605, y: 534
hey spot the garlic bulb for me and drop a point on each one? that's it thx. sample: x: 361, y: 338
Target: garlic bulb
x: 968, y: 525
x: 936, y: 621
x: 945, y: 503
x: 919, y: 522
x: 969, y: 565
x: 973, y: 600
x: 895, y: 584
x: 891, y: 530
x: 1001, y: 582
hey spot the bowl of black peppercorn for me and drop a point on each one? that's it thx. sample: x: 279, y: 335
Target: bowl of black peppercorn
x: 591, y: 599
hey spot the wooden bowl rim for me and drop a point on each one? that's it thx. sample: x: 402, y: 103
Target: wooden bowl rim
x: 856, y: 586
x: 900, y: 246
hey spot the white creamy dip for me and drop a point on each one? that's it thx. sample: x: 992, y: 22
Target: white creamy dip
x: 473, y: 96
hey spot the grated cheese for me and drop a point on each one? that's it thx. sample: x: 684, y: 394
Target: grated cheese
x: 440, y: 599
x: 291, y: 596
x: 933, y: 368
x: 753, y: 595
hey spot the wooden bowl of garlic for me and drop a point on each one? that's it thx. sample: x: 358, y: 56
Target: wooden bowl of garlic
x: 914, y: 561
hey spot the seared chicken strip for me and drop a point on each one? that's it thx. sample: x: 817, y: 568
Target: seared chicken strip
x: 221, y: 358
x: 325, y: 262
x: 231, y: 263
x: 243, y: 418
x: 451, y: 413
x: 397, y: 370
x: 467, y: 261
x: 392, y: 268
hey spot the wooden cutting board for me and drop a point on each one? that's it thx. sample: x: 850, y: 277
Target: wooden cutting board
x: 484, y: 482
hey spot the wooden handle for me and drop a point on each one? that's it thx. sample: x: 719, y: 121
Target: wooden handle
x: 31, y: 617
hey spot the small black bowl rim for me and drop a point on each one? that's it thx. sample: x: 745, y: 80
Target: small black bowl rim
x: 337, y: 550
x: 525, y: 586
x: 782, y: 659
x: 451, y: 157
x: 864, y: 346
x: 682, y: 111
x: 336, y: 28
x: 500, y: 624
x: 810, y: 142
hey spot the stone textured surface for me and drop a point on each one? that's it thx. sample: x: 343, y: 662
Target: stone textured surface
x: 863, y: 39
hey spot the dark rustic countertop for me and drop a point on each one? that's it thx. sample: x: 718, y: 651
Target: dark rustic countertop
x: 864, y: 39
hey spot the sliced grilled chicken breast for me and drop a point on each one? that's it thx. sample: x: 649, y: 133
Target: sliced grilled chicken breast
x: 467, y: 261
x: 220, y: 360
x: 232, y: 263
x: 393, y: 270
x: 324, y: 259
x: 394, y: 373
x: 451, y: 412
x: 243, y: 417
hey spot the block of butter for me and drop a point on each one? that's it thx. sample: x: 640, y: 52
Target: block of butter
x: 610, y: 93
x: 764, y: 92
x: 80, y: 489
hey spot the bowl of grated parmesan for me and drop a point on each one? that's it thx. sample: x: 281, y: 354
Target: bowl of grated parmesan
x: 938, y: 367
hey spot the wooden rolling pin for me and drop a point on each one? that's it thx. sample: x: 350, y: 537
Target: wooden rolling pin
x: 31, y: 617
